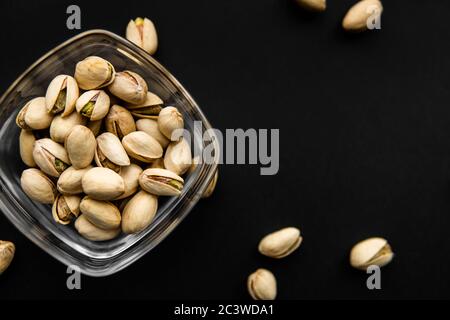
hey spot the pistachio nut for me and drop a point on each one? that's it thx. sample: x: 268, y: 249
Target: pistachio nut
x: 69, y: 182
x: 102, y: 214
x: 149, y: 109
x: 157, y: 164
x: 66, y: 208
x: 150, y: 126
x: 139, y: 212
x: 119, y: 121
x: 129, y: 86
x: 178, y: 157
x: 212, y: 185
x: 102, y: 184
x: 161, y: 182
x: 60, y: 127
x: 80, y: 145
x: 141, y: 146
x: 110, y: 152
x: 93, y: 233
x: 38, y: 186
x: 7, y: 251
x: 169, y: 120
x: 142, y: 33
x: 93, y: 104
x: 94, y: 73
x: 360, y: 14
x: 26, y: 144
x: 281, y: 243
x: 62, y: 93
x: 51, y: 157
x: 313, y: 5
x: 34, y: 115
x: 372, y: 251
x: 130, y: 176
x: 95, y: 126
x: 262, y: 285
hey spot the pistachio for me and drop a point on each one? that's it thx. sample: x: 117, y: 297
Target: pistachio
x: 80, y: 145
x: 161, y: 182
x: 34, y: 115
x: 262, y: 285
x: 119, y: 121
x: 93, y: 233
x: 360, y: 14
x: 94, y: 73
x: 142, y: 33
x: 281, y: 243
x: 51, y: 157
x: 102, y: 214
x: 110, y: 152
x: 60, y: 127
x: 139, y: 212
x: 157, y: 164
x: 93, y: 104
x: 212, y: 185
x: 102, y: 184
x: 95, y: 126
x: 313, y: 5
x: 69, y: 182
x: 372, y: 251
x: 66, y: 208
x: 38, y: 186
x: 130, y: 87
x: 26, y: 142
x: 7, y: 250
x: 150, y: 126
x: 169, y: 120
x: 130, y: 176
x: 62, y: 93
x: 141, y: 146
x: 178, y: 157
x: 150, y: 109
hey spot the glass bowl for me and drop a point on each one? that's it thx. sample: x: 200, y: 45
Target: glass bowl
x: 34, y: 220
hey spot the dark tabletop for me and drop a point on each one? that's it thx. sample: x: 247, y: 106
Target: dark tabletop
x: 365, y: 146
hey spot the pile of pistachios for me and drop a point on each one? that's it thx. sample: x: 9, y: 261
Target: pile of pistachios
x: 101, y: 150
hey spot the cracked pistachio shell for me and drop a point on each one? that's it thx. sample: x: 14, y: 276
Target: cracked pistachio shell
x: 150, y: 126
x: 212, y: 185
x: 95, y: 126
x: 139, y: 212
x: 169, y: 120
x: 26, y: 141
x: 130, y: 176
x: 262, y: 285
x: 91, y: 232
x: 102, y: 214
x: 34, y: 115
x: 38, y: 186
x: 7, y: 251
x: 313, y: 5
x: 141, y: 146
x: 94, y: 72
x: 102, y: 184
x: 161, y: 182
x: 130, y: 87
x: 150, y: 109
x: 69, y: 182
x: 372, y: 251
x: 119, y: 121
x: 51, y: 157
x: 93, y: 104
x: 60, y: 127
x: 281, y: 243
x: 356, y: 18
x: 62, y: 93
x: 80, y: 145
x: 178, y: 157
x: 66, y: 208
x: 142, y: 33
x: 110, y: 152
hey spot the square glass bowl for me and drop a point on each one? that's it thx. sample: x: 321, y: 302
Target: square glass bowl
x: 34, y: 220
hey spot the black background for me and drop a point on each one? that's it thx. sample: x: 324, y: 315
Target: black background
x: 364, y: 151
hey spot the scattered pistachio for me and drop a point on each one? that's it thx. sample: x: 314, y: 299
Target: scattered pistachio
x: 372, y: 251
x: 281, y: 243
x: 262, y: 285
x: 7, y: 251
x: 142, y: 32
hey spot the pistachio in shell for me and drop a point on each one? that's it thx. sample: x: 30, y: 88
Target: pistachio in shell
x: 26, y: 145
x: 103, y: 184
x: 161, y: 182
x: 69, y: 182
x: 102, y: 214
x: 357, y: 18
x: 62, y: 94
x: 313, y: 5
x: 281, y: 243
x: 60, y: 127
x: 66, y: 208
x: 372, y: 251
x: 149, y: 109
x: 7, y: 251
x: 34, y: 115
x: 169, y: 120
x: 129, y: 86
x: 150, y: 126
x: 51, y: 157
x: 142, y: 32
x: 262, y: 285
x: 80, y: 145
x: 94, y: 73
x: 119, y: 121
x: 141, y: 146
x: 178, y: 157
x: 38, y: 186
x: 89, y: 231
x: 110, y: 152
x: 93, y: 104
x: 139, y: 212
x: 130, y: 176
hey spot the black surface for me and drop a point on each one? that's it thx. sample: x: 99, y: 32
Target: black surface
x: 365, y: 146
